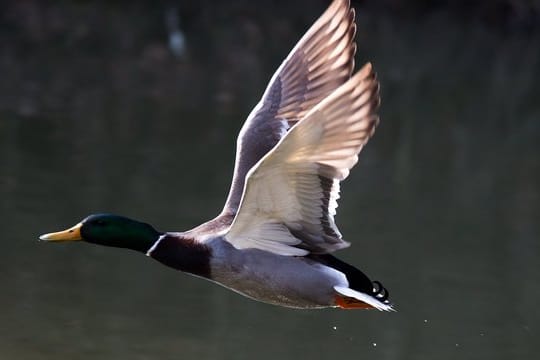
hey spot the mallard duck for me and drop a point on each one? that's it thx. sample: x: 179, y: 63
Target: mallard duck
x: 273, y: 240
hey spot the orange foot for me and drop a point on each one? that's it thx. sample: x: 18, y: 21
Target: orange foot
x: 346, y: 302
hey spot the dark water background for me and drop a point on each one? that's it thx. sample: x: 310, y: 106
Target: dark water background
x: 96, y: 115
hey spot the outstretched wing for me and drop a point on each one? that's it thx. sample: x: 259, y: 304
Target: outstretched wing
x: 290, y: 198
x: 321, y: 61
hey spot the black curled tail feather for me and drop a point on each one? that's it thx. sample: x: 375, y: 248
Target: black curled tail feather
x: 357, y: 279
x: 380, y: 292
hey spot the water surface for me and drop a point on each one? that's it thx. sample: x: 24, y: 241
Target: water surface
x: 442, y: 207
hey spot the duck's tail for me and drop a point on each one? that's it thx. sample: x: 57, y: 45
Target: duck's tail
x: 360, y: 292
x: 347, y: 298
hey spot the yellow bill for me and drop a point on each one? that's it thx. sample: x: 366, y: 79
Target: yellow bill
x: 71, y: 234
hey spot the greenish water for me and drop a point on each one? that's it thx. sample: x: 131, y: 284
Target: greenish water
x: 442, y: 208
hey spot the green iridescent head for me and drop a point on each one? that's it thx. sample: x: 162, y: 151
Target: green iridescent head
x: 109, y: 230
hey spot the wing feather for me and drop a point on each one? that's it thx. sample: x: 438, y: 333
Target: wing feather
x: 295, y: 187
x: 319, y: 63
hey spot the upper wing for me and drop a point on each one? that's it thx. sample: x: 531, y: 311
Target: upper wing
x: 290, y: 198
x: 321, y: 61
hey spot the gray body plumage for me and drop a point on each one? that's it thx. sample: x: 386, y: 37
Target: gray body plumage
x: 272, y: 278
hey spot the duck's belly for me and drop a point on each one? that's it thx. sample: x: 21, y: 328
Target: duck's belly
x: 280, y: 280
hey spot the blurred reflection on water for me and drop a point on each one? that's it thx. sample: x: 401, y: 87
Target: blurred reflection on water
x: 443, y: 206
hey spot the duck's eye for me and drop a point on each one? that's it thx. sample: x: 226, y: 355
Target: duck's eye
x: 100, y: 222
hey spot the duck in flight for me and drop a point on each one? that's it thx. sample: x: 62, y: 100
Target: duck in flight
x: 273, y: 240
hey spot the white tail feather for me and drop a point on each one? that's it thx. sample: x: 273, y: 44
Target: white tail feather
x: 368, y: 299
